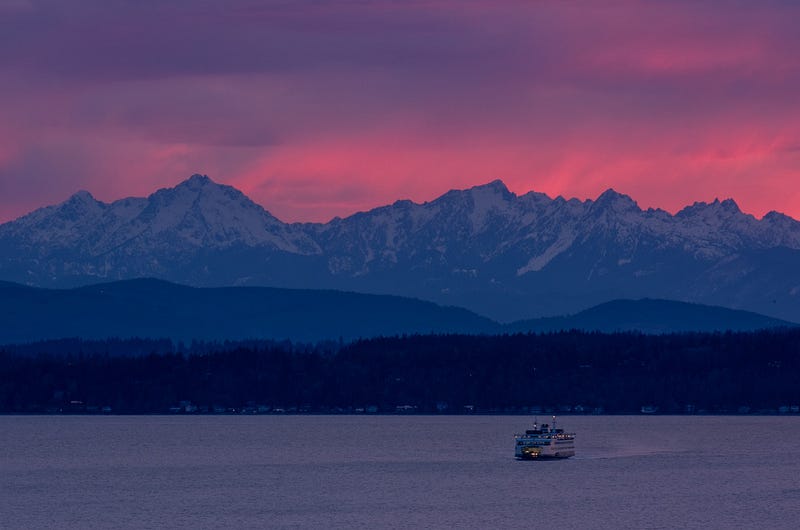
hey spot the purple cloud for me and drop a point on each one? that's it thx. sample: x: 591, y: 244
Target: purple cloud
x: 370, y: 101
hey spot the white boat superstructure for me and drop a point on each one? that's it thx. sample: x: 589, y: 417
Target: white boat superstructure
x: 544, y: 441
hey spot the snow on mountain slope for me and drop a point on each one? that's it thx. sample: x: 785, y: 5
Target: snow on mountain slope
x: 202, y: 214
x: 484, y: 248
x: 197, y: 213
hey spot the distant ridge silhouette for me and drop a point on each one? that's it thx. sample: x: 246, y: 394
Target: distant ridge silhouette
x: 157, y: 309
x: 653, y: 317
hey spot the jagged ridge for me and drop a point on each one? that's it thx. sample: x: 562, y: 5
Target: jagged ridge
x: 484, y: 248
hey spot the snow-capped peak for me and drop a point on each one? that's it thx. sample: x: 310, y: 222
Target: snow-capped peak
x: 82, y: 196
x: 204, y: 214
x: 616, y: 201
x: 729, y: 205
x: 496, y: 186
x: 196, y: 214
x: 81, y: 202
x: 198, y: 180
x: 715, y: 208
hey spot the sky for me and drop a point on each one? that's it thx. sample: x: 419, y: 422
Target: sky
x: 322, y: 108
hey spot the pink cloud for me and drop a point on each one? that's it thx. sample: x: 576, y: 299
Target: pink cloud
x: 319, y: 110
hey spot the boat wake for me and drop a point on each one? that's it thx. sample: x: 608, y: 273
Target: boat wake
x: 631, y: 451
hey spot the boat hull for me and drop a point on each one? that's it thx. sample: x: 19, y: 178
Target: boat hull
x: 544, y: 457
x: 526, y: 453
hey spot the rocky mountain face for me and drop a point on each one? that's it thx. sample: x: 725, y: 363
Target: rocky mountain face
x: 84, y: 240
x: 505, y: 256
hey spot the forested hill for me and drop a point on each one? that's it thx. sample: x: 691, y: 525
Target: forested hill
x: 652, y: 316
x: 154, y: 309
x: 558, y: 372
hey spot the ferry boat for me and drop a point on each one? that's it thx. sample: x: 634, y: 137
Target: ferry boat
x: 543, y: 442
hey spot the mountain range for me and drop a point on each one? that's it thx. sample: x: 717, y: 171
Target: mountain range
x: 504, y: 256
x: 155, y: 309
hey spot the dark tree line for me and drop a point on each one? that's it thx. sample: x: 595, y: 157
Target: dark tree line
x: 569, y: 371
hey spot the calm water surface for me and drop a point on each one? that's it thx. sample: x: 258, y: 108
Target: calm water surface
x: 391, y: 471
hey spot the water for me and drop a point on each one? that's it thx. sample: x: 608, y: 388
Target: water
x: 395, y: 472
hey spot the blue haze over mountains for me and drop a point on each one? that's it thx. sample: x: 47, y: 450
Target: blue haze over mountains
x: 500, y: 255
